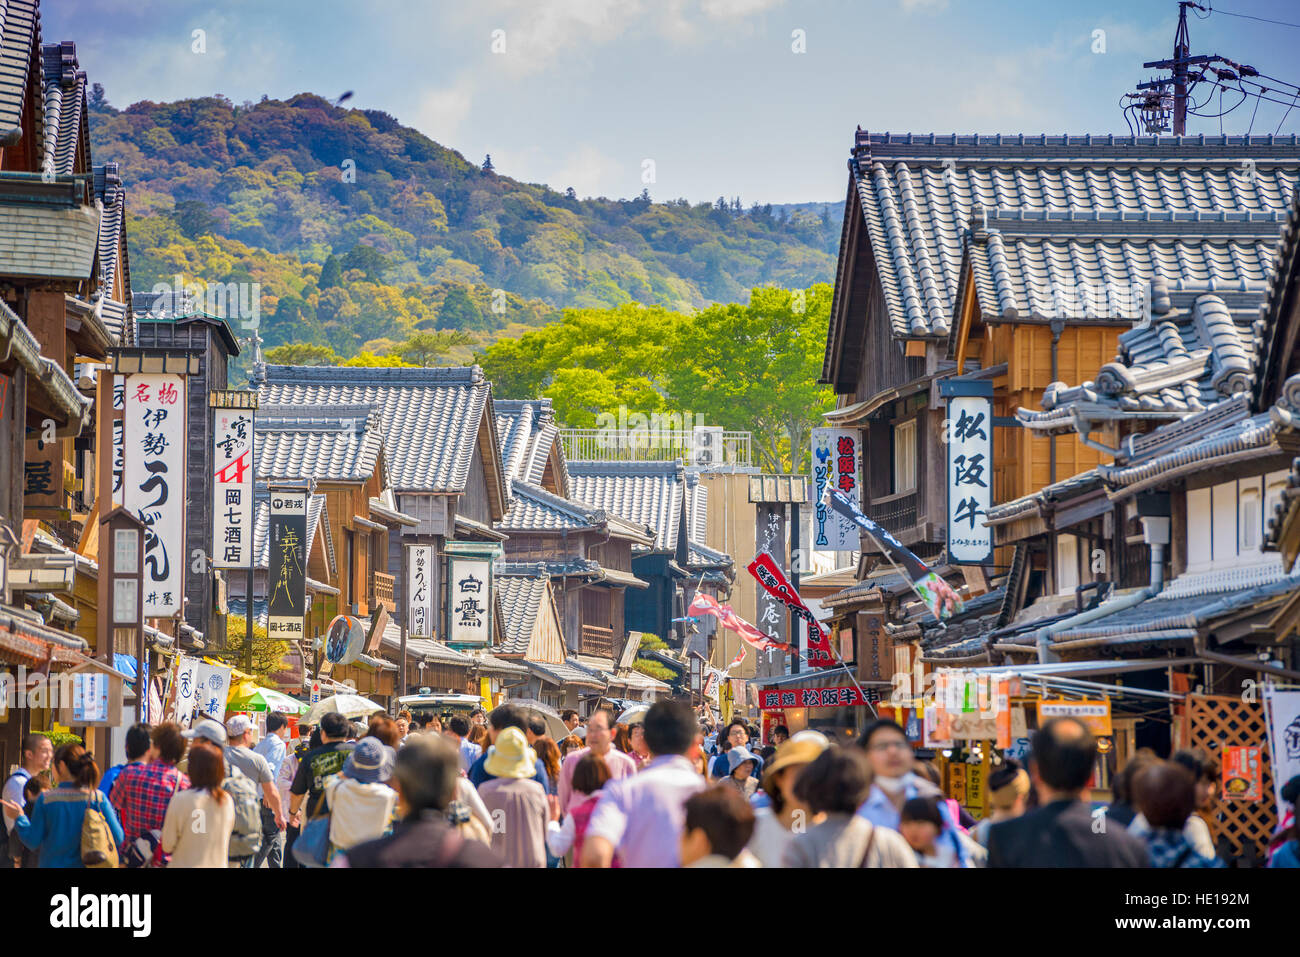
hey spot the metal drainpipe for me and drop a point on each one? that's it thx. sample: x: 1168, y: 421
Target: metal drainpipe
x: 1057, y: 327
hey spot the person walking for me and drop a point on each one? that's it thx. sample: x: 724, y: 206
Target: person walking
x: 719, y: 824
x: 143, y: 791
x: 425, y: 772
x: 274, y: 748
x: 922, y: 826
x: 37, y: 752
x: 1008, y: 791
x: 1060, y: 832
x: 835, y: 784
x: 774, y: 823
x: 641, y: 817
x: 469, y: 752
x: 600, y: 742
x: 1165, y: 792
x: 358, y: 800
x: 503, y: 717
x: 137, y: 752
x: 518, y: 803
x: 54, y: 828
x: 735, y: 735
x: 743, y: 763
x: 1205, y: 773
x: 205, y: 800
x: 257, y: 769
x: 284, y: 781
x: 317, y: 765
x: 19, y: 853
x: 587, y: 778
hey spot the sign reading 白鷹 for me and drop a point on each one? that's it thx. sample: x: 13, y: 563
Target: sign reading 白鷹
x: 469, y: 592
x: 232, y: 488
x: 837, y: 461
x: 969, y: 435
x: 288, y: 572
x: 420, y: 569
x: 154, y: 483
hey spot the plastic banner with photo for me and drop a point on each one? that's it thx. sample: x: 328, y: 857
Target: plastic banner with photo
x: 930, y: 587
x: 1283, y: 710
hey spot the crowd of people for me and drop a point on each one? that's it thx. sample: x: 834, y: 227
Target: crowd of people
x: 657, y: 789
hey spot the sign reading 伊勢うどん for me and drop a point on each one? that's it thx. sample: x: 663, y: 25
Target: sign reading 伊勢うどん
x: 420, y: 569
x: 154, y: 484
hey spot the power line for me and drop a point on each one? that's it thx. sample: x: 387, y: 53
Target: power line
x: 1247, y: 16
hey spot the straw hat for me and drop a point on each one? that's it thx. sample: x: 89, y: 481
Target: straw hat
x: 511, y: 757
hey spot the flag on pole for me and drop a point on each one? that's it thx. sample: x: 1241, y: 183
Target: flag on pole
x: 769, y: 574
x: 706, y: 605
x: 930, y: 587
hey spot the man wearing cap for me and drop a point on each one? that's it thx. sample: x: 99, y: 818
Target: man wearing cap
x: 258, y: 770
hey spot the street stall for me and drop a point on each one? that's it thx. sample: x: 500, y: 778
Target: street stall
x: 831, y: 701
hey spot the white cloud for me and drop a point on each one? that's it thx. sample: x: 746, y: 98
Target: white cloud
x: 440, y: 113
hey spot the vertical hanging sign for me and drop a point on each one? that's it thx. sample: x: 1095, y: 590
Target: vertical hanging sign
x: 420, y: 569
x: 968, y: 432
x: 469, y: 592
x: 154, y: 483
x: 119, y: 439
x: 232, y: 486
x: 287, y: 575
x: 836, y: 461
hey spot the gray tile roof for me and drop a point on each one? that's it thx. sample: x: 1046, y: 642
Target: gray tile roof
x: 568, y: 672
x: 425, y: 648
x: 535, y: 508
x: 647, y: 493
x: 330, y: 443
x: 48, y: 242
x: 1064, y: 489
x: 64, y: 87
x: 523, y: 597
x: 1255, y: 434
x: 527, y: 432
x: 19, y: 30
x: 697, y: 507
x: 1199, y: 349
x: 920, y: 195
x: 431, y: 417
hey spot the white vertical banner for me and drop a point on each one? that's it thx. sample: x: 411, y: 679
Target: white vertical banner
x: 969, y: 434
x: 212, y: 684
x: 232, y: 488
x: 837, y: 461
x: 154, y: 484
x: 187, y: 690
x: 119, y: 438
x: 469, y: 600
x: 1282, y: 711
x: 420, y: 569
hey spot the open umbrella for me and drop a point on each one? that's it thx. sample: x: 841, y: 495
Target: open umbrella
x: 633, y: 715
x: 250, y: 697
x: 554, y: 726
x: 348, y: 705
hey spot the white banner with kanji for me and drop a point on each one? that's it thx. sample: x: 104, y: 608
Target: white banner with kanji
x: 232, y: 488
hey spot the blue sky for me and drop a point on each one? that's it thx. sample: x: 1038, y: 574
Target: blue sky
x: 582, y: 92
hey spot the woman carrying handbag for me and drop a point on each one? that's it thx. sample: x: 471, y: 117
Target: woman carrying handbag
x: 73, y: 824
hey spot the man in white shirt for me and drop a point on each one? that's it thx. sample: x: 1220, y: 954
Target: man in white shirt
x: 37, y: 752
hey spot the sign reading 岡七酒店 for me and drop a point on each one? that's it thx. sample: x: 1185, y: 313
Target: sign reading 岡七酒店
x: 287, y: 581
x: 469, y: 592
x: 836, y: 460
x: 154, y: 483
x: 420, y: 571
x: 232, y: 487
x: 968, y: 433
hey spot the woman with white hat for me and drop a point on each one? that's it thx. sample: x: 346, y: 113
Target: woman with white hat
x: 519, y: 805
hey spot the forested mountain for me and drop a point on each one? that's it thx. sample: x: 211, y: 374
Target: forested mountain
x: 363, y: 231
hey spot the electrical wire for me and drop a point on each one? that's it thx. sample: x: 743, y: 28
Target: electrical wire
x: 1247, y: 16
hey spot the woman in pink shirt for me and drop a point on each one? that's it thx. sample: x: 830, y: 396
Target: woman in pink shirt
x: 589, y: 776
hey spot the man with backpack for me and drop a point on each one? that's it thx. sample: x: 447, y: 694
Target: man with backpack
x: 37, y: 752
x: 246, y: 838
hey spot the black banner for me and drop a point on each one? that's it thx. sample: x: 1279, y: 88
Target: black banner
x: 287, y: 579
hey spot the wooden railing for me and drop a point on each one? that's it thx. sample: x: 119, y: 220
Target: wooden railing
x: 895, y: 513
x: 597, y: 641
x: 381, y: 590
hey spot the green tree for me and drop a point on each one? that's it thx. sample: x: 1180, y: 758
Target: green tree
x: 426, y: 348
x: 331, y: 272
x: 194, y: 218
x: 459, y: 311
x: 301, y: 354
x: 268, y: 654
x: 368, y: 259
x: 755, y: 368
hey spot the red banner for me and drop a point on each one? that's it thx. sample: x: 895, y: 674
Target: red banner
x: 769, y: 575
x: 776, y: 699
x: 706, y: 605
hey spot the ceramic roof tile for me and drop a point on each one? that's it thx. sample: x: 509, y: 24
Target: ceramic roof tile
x: 921, y: 195
x: 527, y: 432
x: 65, y: 103
x: 431, y: 417
x: 647, y: 493
x: 523, y: 597
x: 19, y: 29
x: 534, y: 508
x: 329, y: 443
x: 48, y: 242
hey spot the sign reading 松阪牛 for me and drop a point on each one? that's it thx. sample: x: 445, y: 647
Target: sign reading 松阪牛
x: 154, y: 483
x: 836, y: 461
x: 287, y: 581
x: 969, y: 437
